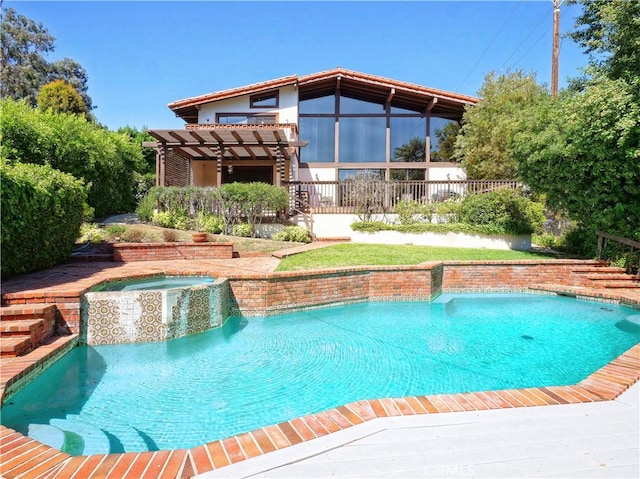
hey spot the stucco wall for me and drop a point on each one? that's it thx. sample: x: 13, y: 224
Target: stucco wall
x: 287, y: 110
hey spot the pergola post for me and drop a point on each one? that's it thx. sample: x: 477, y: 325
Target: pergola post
x: 219, y: 169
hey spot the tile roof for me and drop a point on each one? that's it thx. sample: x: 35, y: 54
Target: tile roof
x: 187, y: 108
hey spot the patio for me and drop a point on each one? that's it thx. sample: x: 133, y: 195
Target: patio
x: 586, y: 430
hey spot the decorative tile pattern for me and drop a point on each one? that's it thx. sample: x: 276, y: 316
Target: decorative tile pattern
x: 146, y: 316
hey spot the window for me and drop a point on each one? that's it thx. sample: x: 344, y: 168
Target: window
x: 407, y: 175
x: 318, y: 106
x: 320, y: 133
x: 408, y: 139
x: 362, y: 139
x: 352, y: 106
x: 264, y: 100
x: 360, y: 174
x: 244, y: 119
x: 443, y: 133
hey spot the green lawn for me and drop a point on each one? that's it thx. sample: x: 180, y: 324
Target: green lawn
x: 354, y: 254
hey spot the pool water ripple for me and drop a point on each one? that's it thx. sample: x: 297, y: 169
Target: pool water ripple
x: 260, y: 371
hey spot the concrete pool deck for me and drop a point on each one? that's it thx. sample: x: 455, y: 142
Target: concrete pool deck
x: 438, y: 436
x: 572, y: 440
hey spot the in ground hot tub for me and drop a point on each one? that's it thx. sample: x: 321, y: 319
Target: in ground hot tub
x: 153, y: 308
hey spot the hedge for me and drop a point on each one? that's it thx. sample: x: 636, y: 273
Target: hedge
x: 106, y: 161
x: 42, y: 210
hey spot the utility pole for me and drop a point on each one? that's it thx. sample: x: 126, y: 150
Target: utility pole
x: 556, y: 48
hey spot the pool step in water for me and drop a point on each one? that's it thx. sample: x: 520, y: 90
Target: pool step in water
x: 126, y: 438
x: 46, y: 434
x: 95, y: 441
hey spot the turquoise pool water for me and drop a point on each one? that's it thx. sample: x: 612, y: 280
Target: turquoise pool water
x: 261, y: 371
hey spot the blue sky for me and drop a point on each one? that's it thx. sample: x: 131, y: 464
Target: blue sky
x: 142, y: 55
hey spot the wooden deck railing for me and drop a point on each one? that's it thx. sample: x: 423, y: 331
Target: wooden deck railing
x: 346, y: 196
x: 604, y: 237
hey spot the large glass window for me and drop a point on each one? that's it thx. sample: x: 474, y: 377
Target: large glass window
x: 408, y: 139
x: 240, y: 119
x: 368, y: 173
x: 352, y: 106
x: 320, y: 133
x: 407, y: 175
x: 320, y: 105
x: 443, y: 133
x: 362, y: 140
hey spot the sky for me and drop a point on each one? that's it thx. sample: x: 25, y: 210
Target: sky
x: 142, y: 55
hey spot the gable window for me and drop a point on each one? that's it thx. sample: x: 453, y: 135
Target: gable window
x: 264, y: 100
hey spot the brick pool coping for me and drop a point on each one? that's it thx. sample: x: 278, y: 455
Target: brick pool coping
x: 24, y: 457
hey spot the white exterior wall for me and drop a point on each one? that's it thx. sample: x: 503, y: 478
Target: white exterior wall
x: 437, y: 173
x: 287, y: 112
x: 317, y: 174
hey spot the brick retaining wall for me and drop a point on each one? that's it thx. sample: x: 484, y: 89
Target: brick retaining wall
x: 269, y: 293
x: 503, y: 275
x: 128, y: 252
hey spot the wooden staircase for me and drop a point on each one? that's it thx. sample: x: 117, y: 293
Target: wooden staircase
x: 25, y: 327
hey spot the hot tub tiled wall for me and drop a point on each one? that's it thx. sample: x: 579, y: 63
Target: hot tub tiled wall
x: 127, y: 252
x: 143, y: 316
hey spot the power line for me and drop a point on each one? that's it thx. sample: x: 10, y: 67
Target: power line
x: 544, y: 16
x: 488, y: 46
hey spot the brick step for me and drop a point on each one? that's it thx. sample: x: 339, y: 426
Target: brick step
x: 15, y: 346
x: 597, y: 269
x: 16, y: 327
x: 27, y: 311
x: 619, y: 284
x: 613, y: 276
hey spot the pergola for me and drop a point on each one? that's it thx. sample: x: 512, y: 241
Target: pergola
x: 228, y: 146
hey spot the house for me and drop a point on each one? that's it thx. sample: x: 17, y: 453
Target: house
x: 322, y: 127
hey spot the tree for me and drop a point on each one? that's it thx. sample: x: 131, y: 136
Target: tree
x: 609, y: 30
x: 23, y: 66
x: 149, y: 154
x: 61, y: 97
x: 583, y: 152
x: 414, y: 150
x: 446, y: 141
x: 482, y: 145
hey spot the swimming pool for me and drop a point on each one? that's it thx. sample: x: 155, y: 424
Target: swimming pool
x: 261, y: 371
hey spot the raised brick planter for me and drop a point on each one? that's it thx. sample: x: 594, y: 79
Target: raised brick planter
x: 129, y: 252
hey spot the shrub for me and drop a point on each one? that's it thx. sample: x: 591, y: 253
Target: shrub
x: 171, y: 236
x: 412, y: 211
x: 115, y: 230
x: 171, y: 219
x: 210, y: 223
x: 448, y: 211
x: 249, y: 200
x: 297, y: 234
x: 242, y: 229
x: 42, y: 211
x: 163, y: 219
x: 502, y: 209
x: 134, y: 235
x: 147, y: 205
x: 91, y: 233
x: 104, y: 160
